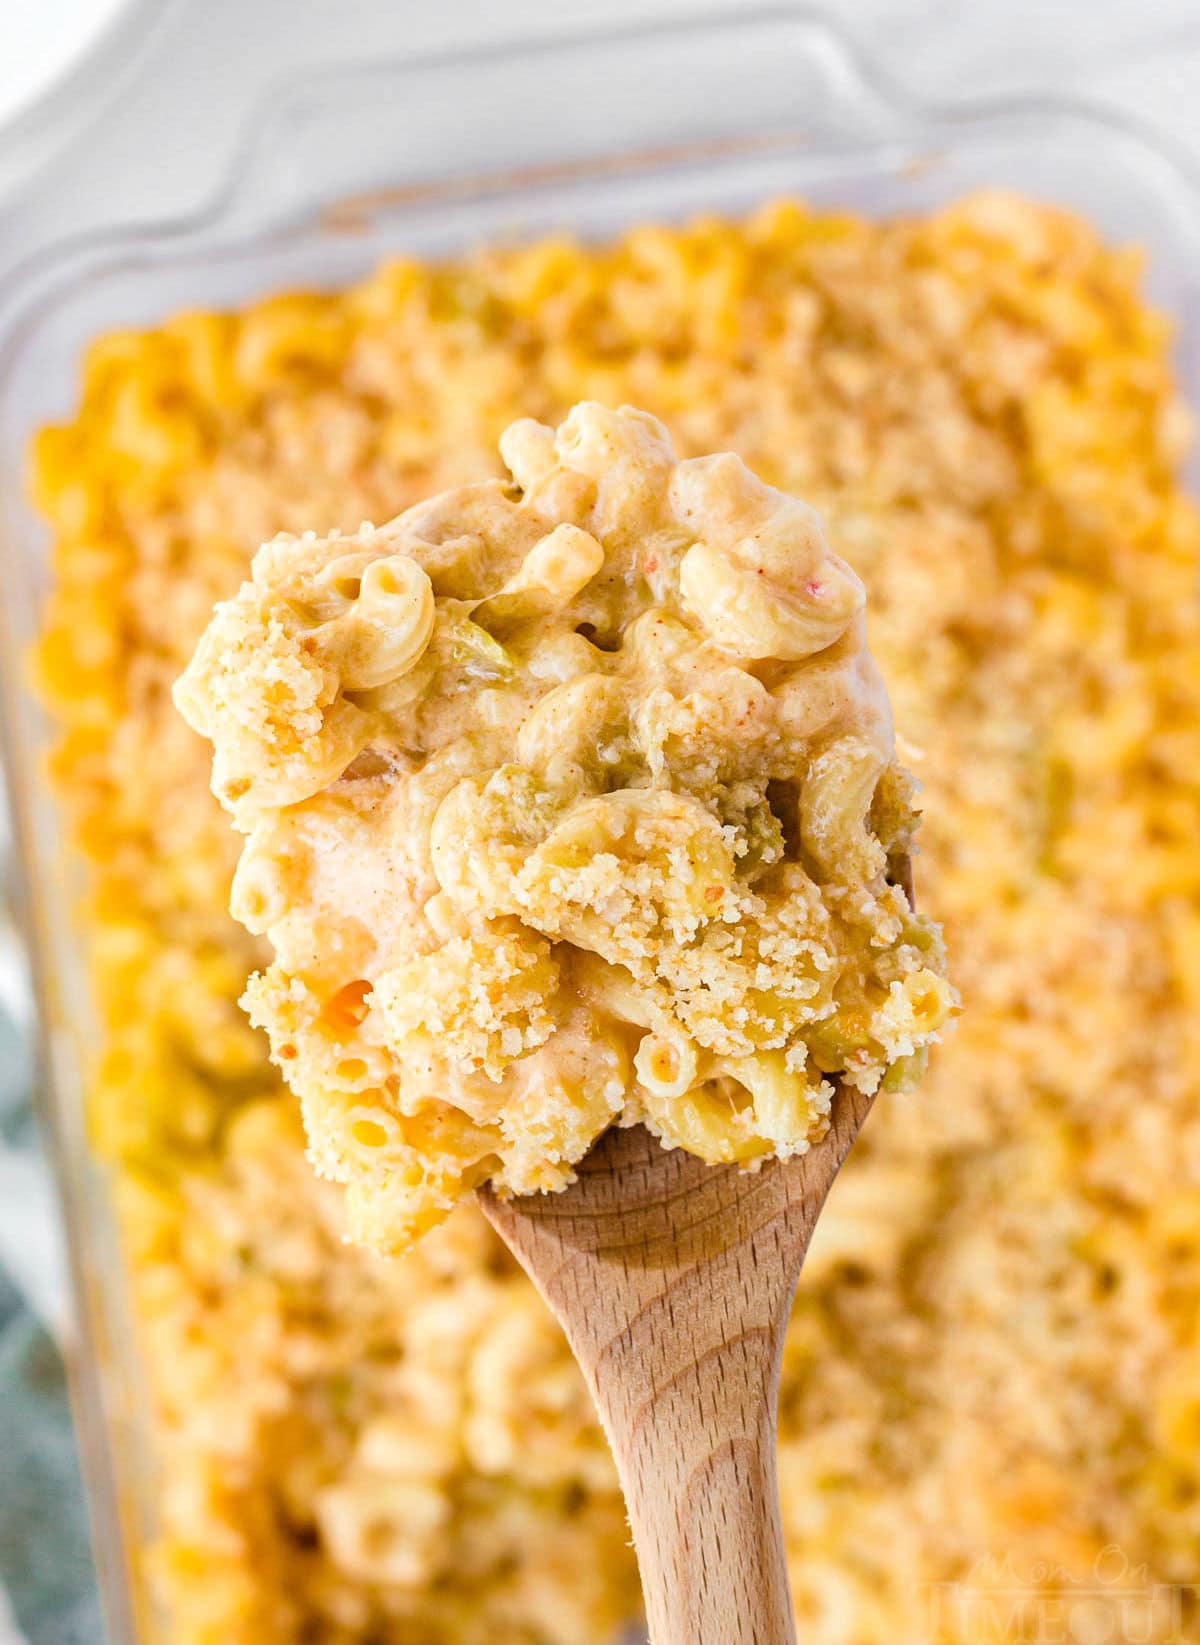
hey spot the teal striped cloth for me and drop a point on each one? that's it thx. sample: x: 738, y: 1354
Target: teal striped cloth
x: 47, y: 1585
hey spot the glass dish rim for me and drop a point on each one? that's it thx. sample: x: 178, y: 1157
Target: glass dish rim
x: 33, y: 285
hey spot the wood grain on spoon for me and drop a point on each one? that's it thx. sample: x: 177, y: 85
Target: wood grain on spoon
x: 673, y: 1281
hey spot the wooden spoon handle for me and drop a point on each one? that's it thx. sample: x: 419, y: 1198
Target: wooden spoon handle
x: 703, y: 1499
x: 672, y: 1280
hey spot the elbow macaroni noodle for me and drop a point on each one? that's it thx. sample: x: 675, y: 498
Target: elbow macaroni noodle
x: 534, y: 721
x: 988, y: 1397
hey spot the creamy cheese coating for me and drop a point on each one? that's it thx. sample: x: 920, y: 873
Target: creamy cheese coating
x: 569, y: 799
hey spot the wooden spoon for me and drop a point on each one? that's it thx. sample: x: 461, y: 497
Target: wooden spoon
x: 673, y: 1281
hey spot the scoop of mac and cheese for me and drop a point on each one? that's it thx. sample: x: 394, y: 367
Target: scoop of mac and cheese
x: 569, y: 800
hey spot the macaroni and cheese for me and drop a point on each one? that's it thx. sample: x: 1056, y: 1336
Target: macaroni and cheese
x: 570, y: 799
x: 989, y: 1399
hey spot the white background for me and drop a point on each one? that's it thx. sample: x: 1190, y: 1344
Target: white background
x: 169, y: 129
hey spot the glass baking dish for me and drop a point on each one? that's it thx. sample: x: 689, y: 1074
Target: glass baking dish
x: 427, y: 156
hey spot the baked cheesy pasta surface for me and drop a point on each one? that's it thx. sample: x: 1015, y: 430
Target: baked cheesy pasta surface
x: 989, y: 1398
x: 570, y: 800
